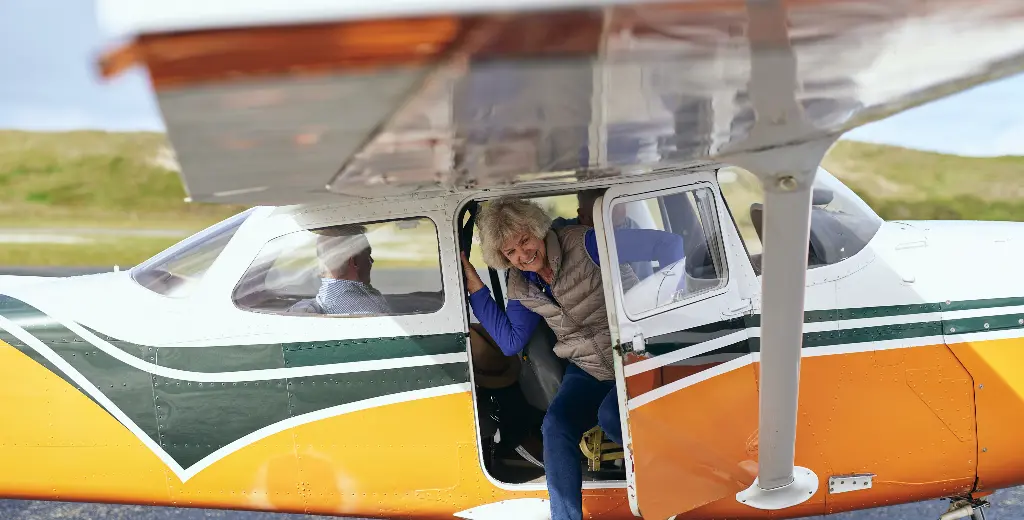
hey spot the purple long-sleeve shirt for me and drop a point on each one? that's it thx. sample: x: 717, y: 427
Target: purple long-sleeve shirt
x: 513, y: 328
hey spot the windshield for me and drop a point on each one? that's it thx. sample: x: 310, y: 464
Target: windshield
x: 841, y: 222
x: 177, y: 271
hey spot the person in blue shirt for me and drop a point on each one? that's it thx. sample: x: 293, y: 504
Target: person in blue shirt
x: 555, y: 275
x: 346, y: 260
x: 585, y: 216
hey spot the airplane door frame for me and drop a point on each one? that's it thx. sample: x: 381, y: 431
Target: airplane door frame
x: 731, y: 302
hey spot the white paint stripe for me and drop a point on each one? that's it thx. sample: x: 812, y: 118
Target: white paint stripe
x: 755, y: 357
x: 872, y: 346
x: 326, y: 413
x: 846, y: 348
x: 881, y: 321
x: 818, y: 326
x: 96, y: 394
x: 264, y: 374
x: 518, y: 508
x: 824, y: 326
x: 684, y: 353
x: 38, y: 321
x: 983, y: 313
x: 674, y: 386
x: 266, y: 431
x: 697, y: 361
x: 978, y: 337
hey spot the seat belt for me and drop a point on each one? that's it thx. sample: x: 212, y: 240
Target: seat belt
x: 499, y: 297
x: 466, y: 231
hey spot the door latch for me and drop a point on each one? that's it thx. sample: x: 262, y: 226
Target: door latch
x: 739, y: 309
x: 639, y: 345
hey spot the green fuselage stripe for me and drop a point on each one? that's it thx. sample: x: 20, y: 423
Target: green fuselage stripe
x: 674, y: 341
x: 231, y: 358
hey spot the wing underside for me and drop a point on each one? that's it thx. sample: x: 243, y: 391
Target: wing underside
x: 337, y: 104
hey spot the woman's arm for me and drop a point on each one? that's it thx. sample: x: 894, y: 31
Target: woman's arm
x: 511, y: 329
x: 641, y: 245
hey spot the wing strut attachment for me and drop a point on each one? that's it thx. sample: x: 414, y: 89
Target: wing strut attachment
x: 787, y: 174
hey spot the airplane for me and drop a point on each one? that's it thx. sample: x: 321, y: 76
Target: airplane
x: 805, y: 357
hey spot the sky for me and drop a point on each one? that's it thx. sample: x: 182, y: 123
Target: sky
x: 48, y: 82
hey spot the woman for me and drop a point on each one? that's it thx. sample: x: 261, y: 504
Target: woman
x: 555, y: 275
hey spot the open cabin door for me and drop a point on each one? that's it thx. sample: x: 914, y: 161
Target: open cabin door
x: 687, y: 386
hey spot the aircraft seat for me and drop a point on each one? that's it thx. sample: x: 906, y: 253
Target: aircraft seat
x: 542, y: 370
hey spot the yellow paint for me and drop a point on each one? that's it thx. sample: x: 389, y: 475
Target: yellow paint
x: 864, y: 413
x: 416, y: 458
x: 689, y: 446
x: 1004, y: 357
x: 997, y: 369
x: 903, y: 414
x: 56, y: 443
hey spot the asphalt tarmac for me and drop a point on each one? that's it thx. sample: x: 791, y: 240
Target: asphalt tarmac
x: 1006, y: 505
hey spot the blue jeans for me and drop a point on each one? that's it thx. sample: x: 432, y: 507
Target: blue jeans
x: 581, y: 403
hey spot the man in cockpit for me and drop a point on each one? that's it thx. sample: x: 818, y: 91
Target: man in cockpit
x: 345, y: 262
x: 585, y: 216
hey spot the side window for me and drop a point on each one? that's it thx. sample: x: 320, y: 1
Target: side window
x: 841, y: 223
x: 669, y: 248
x: 376, y: 269
x: 177, y: 271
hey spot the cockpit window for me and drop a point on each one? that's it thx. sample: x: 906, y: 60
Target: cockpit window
x: 177, y: 271
x: 841, y: 222
x: 386, y: 268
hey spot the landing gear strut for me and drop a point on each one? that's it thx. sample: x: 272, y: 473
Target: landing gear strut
x: 973, y: 508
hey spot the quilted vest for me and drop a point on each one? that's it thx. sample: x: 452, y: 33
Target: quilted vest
x: 577, y: 316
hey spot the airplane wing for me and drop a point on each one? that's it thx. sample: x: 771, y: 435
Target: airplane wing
x: 327, y: 100
x: 333, y: 100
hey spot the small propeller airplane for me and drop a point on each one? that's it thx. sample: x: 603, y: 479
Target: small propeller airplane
x: 805, y: 357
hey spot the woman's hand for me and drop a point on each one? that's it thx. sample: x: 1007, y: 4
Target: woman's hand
x: 473, y: 281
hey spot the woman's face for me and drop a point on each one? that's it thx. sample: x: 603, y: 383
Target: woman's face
x: 525, y: 252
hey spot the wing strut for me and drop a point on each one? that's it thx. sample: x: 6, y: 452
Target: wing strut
x: 787, y: 174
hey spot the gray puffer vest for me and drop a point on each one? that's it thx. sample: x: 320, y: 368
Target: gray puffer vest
x: 577, y: 316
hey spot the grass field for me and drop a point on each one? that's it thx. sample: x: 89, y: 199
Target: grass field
x: 124, y: 252
x: 79, y: 180
x: 89, y: 179
x: 909, y: 184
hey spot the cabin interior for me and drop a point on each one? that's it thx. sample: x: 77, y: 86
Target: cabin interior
x: 515, y: 455
x: 516, y: 411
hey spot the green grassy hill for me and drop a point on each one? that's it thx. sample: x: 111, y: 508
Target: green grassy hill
x: 105, y: 180
x: 909, y: 184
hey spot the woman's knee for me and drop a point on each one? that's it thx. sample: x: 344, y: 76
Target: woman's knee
x: 556, y: 423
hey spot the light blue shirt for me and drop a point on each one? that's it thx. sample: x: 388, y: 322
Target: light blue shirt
x: 349, y: 297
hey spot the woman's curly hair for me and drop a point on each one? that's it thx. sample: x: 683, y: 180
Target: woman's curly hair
x: 502, y: 219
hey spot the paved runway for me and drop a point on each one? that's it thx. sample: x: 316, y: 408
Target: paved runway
x: 1006, y: 505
